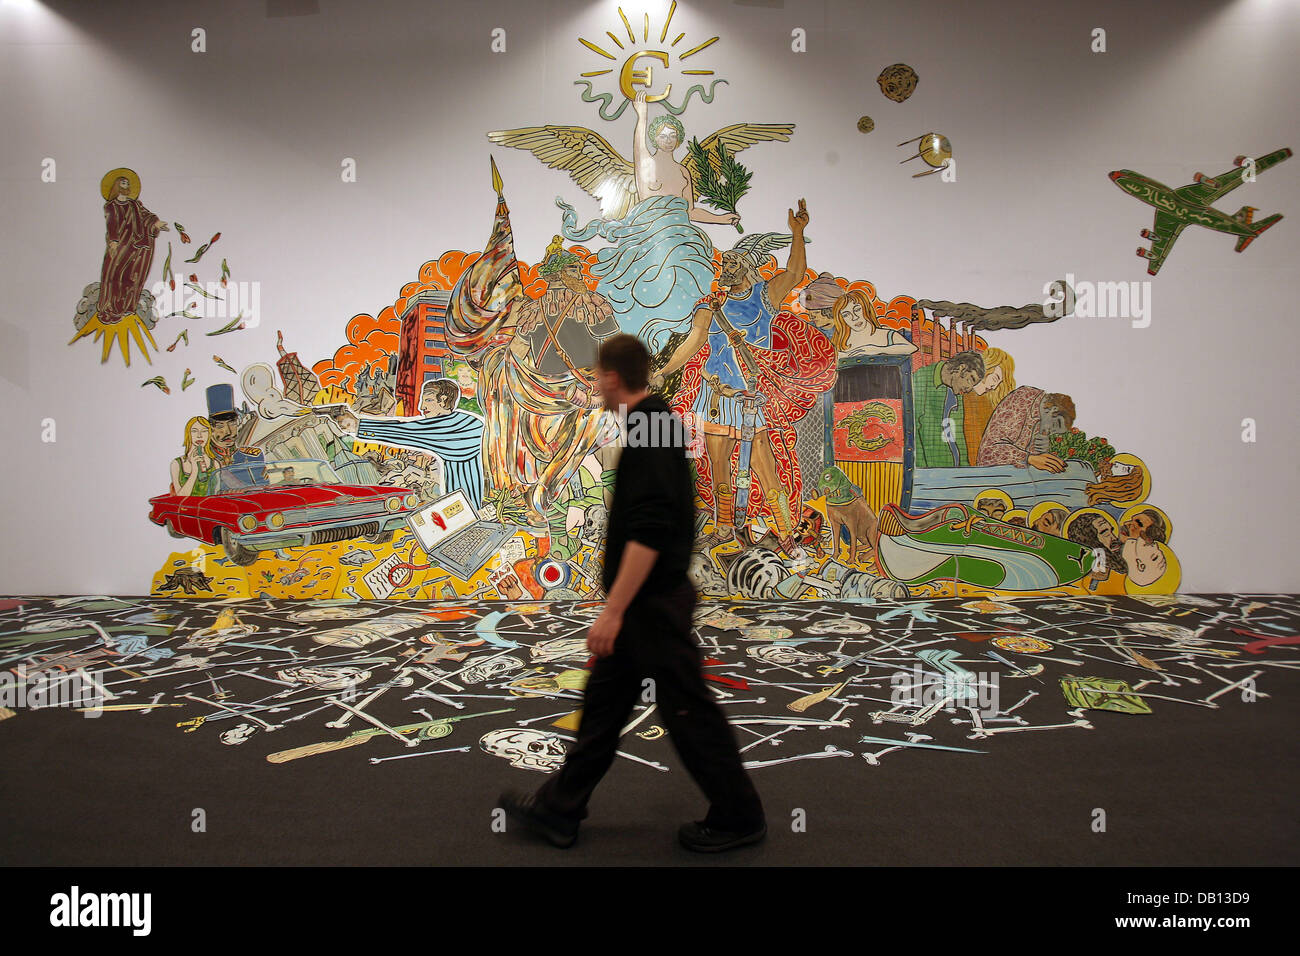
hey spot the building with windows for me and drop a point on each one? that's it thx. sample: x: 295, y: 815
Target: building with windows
x: 423, y: 353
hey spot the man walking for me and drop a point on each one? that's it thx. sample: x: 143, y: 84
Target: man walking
x: 645, y: 632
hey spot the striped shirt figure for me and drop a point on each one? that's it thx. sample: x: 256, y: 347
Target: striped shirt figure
x: 454, y: 436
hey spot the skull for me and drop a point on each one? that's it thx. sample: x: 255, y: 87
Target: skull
x: 777, y: 654
x: 595, y: 522
x: 1164, y: 629
x: 237, y: 735
x: 325, y: 678
x: 525, y: 748
x: 840, y: 625
x: 559, y: 649
x: 478, y: 673
x: 705, y: 576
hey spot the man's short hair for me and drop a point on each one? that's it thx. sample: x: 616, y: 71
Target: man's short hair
x: 628, y: 356
x: 443, y: 389
x: 970, y: 360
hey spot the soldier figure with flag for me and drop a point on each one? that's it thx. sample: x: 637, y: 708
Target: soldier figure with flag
x: 535, y: 360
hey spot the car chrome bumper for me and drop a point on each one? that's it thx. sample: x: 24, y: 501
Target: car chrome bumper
x: 328, y: 533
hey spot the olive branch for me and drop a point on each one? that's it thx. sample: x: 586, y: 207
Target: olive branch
x: 723, y: 187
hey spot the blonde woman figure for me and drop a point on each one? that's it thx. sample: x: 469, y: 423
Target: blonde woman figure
x: 999, y: 381
x: 857, y: 329
x: 193, y: 471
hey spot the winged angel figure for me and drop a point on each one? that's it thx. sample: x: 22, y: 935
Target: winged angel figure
x: 618, y: 183
x: 662, y: 264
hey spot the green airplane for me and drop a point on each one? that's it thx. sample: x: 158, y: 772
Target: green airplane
x: 1191, y: 205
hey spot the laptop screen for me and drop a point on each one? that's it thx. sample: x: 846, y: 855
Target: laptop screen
x: 436, y: 522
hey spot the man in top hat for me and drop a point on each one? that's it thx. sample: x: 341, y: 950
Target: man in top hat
x: 225, y: 424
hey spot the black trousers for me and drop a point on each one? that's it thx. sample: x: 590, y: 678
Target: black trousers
x: 656, y: 643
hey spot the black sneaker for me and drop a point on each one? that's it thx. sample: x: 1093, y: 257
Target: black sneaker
x: 702, y: 839
x: 523, y: 808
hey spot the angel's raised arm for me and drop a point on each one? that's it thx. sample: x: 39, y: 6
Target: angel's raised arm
x: 640, y: 150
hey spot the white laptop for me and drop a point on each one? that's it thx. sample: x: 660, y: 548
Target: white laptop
x: 452, y: 534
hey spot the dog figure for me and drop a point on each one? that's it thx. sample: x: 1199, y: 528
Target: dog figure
x: 847, y: 508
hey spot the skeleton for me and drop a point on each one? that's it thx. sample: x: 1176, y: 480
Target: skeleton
x: 533, y: 720
x: 373, y: 721
x: 1024, y: 700
x: 403, y: 679
x: 305, y: 714
x: 745, y: 721
x: 269, y: 680
x: 1081, y: 721
x: 1210, y: 673
x: 526, y: 691
x: 773, y: 738
x: 1224, y: 690
x: 236, y: 713
x: 438, y: 697
x: 427, y: 753
x: 915, y: 718
x: 829, y: 751
x: 325, y: 678
x: 976, y: 719
x: 436, y: 676
x: 654, y: 764
x: 874, y: 758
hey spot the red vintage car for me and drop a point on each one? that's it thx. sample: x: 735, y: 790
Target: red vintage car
x: 260, y: 506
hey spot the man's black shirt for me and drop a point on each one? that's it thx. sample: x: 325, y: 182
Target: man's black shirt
x: 654, y: 497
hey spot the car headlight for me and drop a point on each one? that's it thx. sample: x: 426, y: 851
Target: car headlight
x: 275, y: 520
x: 412, y: 501
x: 247, y: 522
x: 394, y: 504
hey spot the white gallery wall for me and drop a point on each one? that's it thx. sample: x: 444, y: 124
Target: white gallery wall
x: 247, y: 139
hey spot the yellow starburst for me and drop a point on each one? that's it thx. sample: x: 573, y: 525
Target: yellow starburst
x: 129, y: 327
x: 631, y: 42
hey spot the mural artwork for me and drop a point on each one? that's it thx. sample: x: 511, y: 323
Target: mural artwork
x: 847, y: 444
